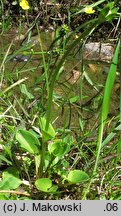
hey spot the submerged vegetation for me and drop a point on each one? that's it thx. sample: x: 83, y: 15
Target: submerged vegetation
x: 60, y: 115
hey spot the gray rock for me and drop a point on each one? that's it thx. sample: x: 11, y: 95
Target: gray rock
x: 98, y: 51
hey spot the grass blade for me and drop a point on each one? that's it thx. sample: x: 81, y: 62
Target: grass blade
x: 104, y: 113
x: 106, y: 100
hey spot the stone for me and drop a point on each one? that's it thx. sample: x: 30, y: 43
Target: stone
x: 98, y: 51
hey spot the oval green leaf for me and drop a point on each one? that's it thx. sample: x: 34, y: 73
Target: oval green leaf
x: 45, y: 185
x: 77, y: 176
x: 10, y: 183
x: 28, y: 141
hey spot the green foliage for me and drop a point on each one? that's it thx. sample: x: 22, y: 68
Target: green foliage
x: 3, y: 158
x: 47, y: 134
x: 10, y: 179
x: 45, y: 185
x: 77, y: 176
x: 105, y: 105
x: 28, y: 141
x: 58, y: 148
x: 110, y: 83
x: 47, y: 142
x: 25, y: 92
x: 108, y: 13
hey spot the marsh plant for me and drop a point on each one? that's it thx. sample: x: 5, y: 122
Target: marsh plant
x: 40, y: 159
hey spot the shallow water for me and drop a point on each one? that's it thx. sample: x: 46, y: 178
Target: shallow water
x: 69, y: 83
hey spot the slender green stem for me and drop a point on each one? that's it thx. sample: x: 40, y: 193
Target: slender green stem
x: 84, y: 35
x: 55, y: 73
x: 42, y: 159
x: 44, y: 62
